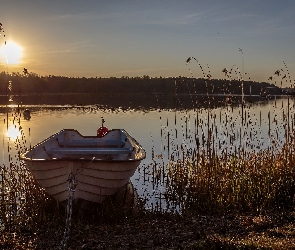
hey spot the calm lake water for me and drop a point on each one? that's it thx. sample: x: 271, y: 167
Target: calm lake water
x: 162, y: 132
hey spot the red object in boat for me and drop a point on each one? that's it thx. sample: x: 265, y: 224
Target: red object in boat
x: 102, y: 131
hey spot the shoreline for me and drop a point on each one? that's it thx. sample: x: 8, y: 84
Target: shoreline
x: 167, y: 231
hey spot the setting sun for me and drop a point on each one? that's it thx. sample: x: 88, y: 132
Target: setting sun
x: 11, y: 53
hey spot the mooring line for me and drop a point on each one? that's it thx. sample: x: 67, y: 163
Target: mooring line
x: 72, y: 184
x: 71, y: 188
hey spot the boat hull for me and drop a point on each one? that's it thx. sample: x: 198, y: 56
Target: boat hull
x: 95, y: 181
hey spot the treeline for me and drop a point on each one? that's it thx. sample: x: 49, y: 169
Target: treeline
x: 34, y: 84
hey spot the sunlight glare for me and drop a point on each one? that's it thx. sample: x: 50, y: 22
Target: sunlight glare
x: 13, y: 132
x: 11, y: 53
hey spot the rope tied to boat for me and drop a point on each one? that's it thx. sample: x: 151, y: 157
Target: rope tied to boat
x: 72, y: 184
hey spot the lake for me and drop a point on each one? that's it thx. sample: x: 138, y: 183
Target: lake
x: 165, y: 132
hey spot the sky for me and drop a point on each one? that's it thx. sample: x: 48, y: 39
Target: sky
x: 97, y: 38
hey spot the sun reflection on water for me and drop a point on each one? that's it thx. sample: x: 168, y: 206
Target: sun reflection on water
x: 13, y: 132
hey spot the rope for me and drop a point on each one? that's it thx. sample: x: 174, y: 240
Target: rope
x: 71, y: 189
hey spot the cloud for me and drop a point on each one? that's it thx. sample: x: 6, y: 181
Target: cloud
x: 75, y: 16
x: 70, y: 47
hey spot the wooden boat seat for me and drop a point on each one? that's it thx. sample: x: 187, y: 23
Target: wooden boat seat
x: 92, y: 143
x: 88, y: 151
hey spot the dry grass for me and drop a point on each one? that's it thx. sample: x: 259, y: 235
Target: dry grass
x: 217, y: 184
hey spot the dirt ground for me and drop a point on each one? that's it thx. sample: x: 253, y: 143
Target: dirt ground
x: 164, y: 231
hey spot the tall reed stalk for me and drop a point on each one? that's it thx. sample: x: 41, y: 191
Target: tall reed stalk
x: 230, y: 164
x: 22, y: 201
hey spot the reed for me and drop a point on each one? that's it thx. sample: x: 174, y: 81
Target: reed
x: 226, y: 183
x: 22, y: 201
x: 228, y: 164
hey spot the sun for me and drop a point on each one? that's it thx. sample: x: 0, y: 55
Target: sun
x: 11, y: 53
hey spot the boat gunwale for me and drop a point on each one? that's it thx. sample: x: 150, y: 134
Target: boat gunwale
x: 79, y: 159
x: 30, y: 159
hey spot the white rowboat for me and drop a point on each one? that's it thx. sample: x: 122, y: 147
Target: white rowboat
x: 100, y: 165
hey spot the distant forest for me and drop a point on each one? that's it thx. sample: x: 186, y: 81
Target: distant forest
x: 32, y: 83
